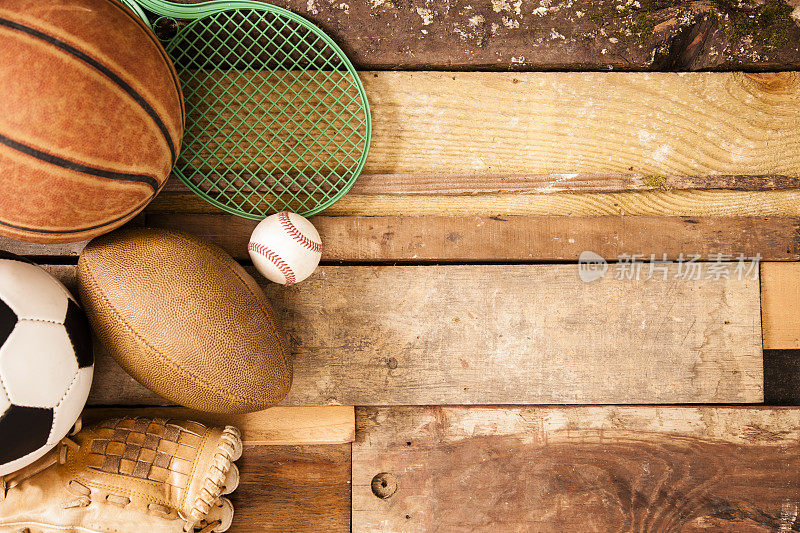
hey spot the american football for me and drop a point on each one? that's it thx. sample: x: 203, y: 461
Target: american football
x: 185, y: 320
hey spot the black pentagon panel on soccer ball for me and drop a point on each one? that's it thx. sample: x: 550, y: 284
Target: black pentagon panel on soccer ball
x: 23, y: 430
x: 8, y: 319
x: 14, y: 257
x: 77, y: 326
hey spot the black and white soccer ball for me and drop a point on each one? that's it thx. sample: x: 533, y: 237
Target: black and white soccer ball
x: 46, y: 362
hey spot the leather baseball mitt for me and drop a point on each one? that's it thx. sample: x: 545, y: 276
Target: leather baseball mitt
x: 128, y: 474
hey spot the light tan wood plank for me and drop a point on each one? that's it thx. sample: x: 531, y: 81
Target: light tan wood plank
x: 780, y: 305
x: 293, y: 488
x: 722, y: 203
x: 507, y: 335
x: 462, y: 143
x: 515, y: 238
x: 650, y: 125
x: 453, y: 185
x: 576, y: 469
x: 275, y: 426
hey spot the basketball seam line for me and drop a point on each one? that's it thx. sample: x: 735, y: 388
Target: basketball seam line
x: 78, y: 167
x: 86, y: 58
x: 130, y: 213
x: 172, y: 72
x: 275, y: 259
x: 291, y: 229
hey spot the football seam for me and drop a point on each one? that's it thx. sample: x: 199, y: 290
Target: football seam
x: 296, y: 234
x: 197, y: 379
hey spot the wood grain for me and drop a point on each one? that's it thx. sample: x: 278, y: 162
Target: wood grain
x: 780, y: 305
x: 293, y: 488
x: 504, y: 335
x: 576, y: 469
x: 275, y: 426
x: 550, y: 134
x: 515, y: 238
x: 575, y: 34
x: 694, y: 203
x: 650, y: 125
x: 454, y: 185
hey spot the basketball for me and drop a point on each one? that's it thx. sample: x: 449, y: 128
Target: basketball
x: 91, y: 118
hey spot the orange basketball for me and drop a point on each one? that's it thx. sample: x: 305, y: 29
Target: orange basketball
x: 91, y: 118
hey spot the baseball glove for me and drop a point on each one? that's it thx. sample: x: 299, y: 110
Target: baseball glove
x: 128, y: 474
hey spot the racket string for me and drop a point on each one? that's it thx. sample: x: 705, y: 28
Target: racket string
x: 284, y: 127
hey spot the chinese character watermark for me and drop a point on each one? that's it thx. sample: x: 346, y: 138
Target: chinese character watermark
x: 686, y: 267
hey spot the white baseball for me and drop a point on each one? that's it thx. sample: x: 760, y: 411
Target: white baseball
x: 285, y: 248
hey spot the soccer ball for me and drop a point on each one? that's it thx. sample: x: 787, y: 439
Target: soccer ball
x: 46, y: 362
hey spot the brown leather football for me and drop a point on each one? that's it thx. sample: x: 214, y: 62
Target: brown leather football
x: 185, y: 320
x: 91, y: 118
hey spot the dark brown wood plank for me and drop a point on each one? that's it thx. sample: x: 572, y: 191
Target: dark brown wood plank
x: 581, y: 469
x: 515, y: 238
x: 572, y: 35
x: 782, y: 377
x: 293, y: 488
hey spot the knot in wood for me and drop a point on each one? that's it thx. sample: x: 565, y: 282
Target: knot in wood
x: 384, y: 485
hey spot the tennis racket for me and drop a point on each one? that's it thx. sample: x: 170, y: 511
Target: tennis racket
x: 276, y: 116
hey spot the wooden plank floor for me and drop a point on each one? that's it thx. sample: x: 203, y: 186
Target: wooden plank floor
x: 505, y: 334
x: 576, y: 469
x: 449, y: 306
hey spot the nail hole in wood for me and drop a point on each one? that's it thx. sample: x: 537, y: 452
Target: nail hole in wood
x: 384, y: 485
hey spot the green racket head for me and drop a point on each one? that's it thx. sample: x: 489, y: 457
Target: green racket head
x: 276, y: 116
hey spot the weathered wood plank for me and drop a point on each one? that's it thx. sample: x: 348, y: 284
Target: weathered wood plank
x: 496, y: 238
x: 506, y: 335
x: 293, y: 488
x: 695, y: 203
x: 595, y: 124
x: 515, y: 238
x: 576, y: 469
x: 579, y: 34
x: 275, y: 426
x: 449, y: 185
x: 780, y: 305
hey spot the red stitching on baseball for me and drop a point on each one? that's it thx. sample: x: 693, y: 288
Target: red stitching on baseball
x: 292, y: 230
x: 275, y: 259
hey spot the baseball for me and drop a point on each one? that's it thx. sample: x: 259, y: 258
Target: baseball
x: 285, y: 248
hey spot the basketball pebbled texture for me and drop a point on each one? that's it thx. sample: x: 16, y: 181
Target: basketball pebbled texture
x: 185, y: 320
x: 91, y: 118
